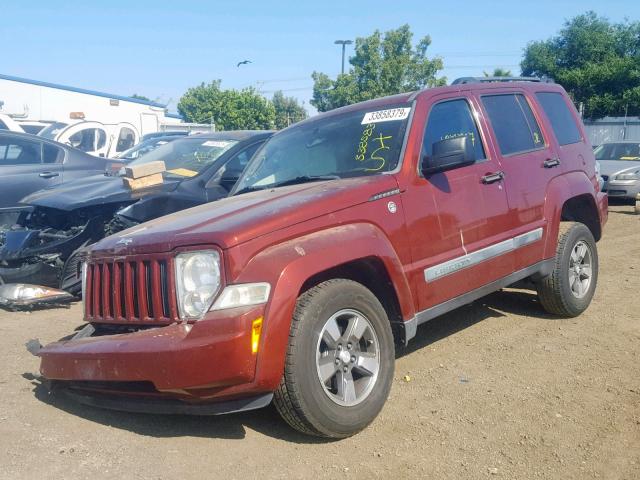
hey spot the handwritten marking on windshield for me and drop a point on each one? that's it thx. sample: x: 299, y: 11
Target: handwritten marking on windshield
x: 382, y: 147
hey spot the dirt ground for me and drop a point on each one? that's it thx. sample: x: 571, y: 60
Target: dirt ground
x: 496, y: 389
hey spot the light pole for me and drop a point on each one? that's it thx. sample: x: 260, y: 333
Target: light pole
x: 343, y: 43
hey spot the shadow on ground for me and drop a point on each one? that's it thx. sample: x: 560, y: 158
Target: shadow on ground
x: 267, y: 421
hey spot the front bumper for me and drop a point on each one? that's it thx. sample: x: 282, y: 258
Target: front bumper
x: 209, y: 359
x: 622, y: 188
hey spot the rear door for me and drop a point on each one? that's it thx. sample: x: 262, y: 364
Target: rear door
x: 456, y: 219
x: 529, y: 160
x: 90, y: 137
x: 27, y: 166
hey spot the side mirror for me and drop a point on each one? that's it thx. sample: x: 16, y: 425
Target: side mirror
x: 448, y: 154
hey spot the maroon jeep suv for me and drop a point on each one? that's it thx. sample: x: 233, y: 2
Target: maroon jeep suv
x: 344, y: 233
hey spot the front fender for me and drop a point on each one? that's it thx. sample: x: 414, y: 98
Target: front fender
x: 293, y: 262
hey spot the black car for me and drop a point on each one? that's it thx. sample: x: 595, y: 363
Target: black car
x: 29, y: 163
x: 43, y: 247
x: 146, y: 146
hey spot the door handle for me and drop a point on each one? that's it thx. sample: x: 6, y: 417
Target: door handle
x: 49, y: 174
x: 551, y: 162
x: 492, y: 177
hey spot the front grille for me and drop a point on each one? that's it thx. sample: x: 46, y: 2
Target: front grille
x: 130, y: 290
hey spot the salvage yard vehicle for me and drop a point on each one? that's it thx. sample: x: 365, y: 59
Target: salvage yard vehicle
x: 620, y: 169
x: 29, y: 163
x: 94, y: 138
x: 146, y: 146
x: 43, y: 247
x: 344, y: 233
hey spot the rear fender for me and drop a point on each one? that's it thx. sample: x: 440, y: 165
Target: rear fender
x: 295, y: 261
x: 559, y: 191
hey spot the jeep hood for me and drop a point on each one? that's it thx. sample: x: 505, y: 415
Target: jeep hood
x: 237, y: 219
x: 90, y: 191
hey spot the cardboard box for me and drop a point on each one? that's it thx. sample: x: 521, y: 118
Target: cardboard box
x: 144, y: 170
x: 144, y: 182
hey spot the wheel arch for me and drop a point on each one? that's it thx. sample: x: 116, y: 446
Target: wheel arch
x: 359, y: 252
x: 570, y: 197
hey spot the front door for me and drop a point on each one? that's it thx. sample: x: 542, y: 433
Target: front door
x: 456, y: 219
x: 90, y: 137
x: 27, y: 166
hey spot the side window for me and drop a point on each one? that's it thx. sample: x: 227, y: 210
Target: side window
x: 52, y: 154
x: 126, y: 139
x: 19, y: 152
x: 451, y: 119
x: 513, y: 123
x: 562, y: 121
x: 89, y: 139
x: 3, y: 126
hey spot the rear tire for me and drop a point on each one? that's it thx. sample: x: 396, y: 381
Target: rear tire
x: 568, y: 290
x: 340, y: 361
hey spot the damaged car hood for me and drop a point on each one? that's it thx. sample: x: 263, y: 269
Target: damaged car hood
x: 93, y: 190
x: 240, y: 218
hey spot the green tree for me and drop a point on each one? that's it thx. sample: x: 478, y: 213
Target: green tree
x: 382, y: 65
x: 597, y: 61
x: 499, y: 72
x: 140, y: 97
x: 228, y: 109
x: 287, y: 109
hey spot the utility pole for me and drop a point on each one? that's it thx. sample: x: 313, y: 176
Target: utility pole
x: 344, y: 43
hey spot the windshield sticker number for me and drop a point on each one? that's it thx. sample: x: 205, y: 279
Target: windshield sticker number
x: 386, y: 115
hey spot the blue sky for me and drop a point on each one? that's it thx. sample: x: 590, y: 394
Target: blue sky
x: 156, y: 50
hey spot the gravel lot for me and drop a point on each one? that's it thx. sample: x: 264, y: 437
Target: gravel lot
x: 496, y: 389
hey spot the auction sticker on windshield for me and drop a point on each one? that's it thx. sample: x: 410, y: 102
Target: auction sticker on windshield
x: 216, y: 143
x: 386, y: 115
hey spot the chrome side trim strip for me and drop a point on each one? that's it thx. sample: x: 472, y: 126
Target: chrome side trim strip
x: 479, y: 256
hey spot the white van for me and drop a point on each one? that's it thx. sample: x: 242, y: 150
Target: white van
x: 95, y: 138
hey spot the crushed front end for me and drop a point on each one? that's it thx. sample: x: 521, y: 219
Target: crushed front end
x: 40, y: 248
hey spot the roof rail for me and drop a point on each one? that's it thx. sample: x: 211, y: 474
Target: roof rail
x: 463, y: 80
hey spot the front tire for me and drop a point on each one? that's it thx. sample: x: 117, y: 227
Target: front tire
x: 340, y: 361
x: 568, y: 291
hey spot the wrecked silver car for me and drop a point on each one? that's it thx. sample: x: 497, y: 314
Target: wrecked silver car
x: 44, y: 246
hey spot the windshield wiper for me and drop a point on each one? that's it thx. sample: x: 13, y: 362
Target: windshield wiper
x: 291, y: 181
x: 305, y: 179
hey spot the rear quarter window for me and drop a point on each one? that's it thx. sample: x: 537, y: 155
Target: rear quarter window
x: 513, y: 123
x: 562, y: 121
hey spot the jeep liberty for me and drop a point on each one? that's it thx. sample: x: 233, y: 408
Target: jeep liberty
x: 344, y: 233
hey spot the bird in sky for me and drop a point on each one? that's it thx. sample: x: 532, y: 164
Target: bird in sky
x: 244, y: 62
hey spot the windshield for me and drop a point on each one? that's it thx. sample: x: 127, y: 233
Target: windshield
x: 187, y: 157
x: 358, y: 143
x: 52, y: 131
x: 144, y: 147
x: 618, y: 151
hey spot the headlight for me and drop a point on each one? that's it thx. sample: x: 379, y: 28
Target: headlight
x: 197, y: 281
x: 629, y: 176
x: 25, y: 296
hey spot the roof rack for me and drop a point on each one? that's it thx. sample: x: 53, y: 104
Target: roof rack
x: 463, y: 80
